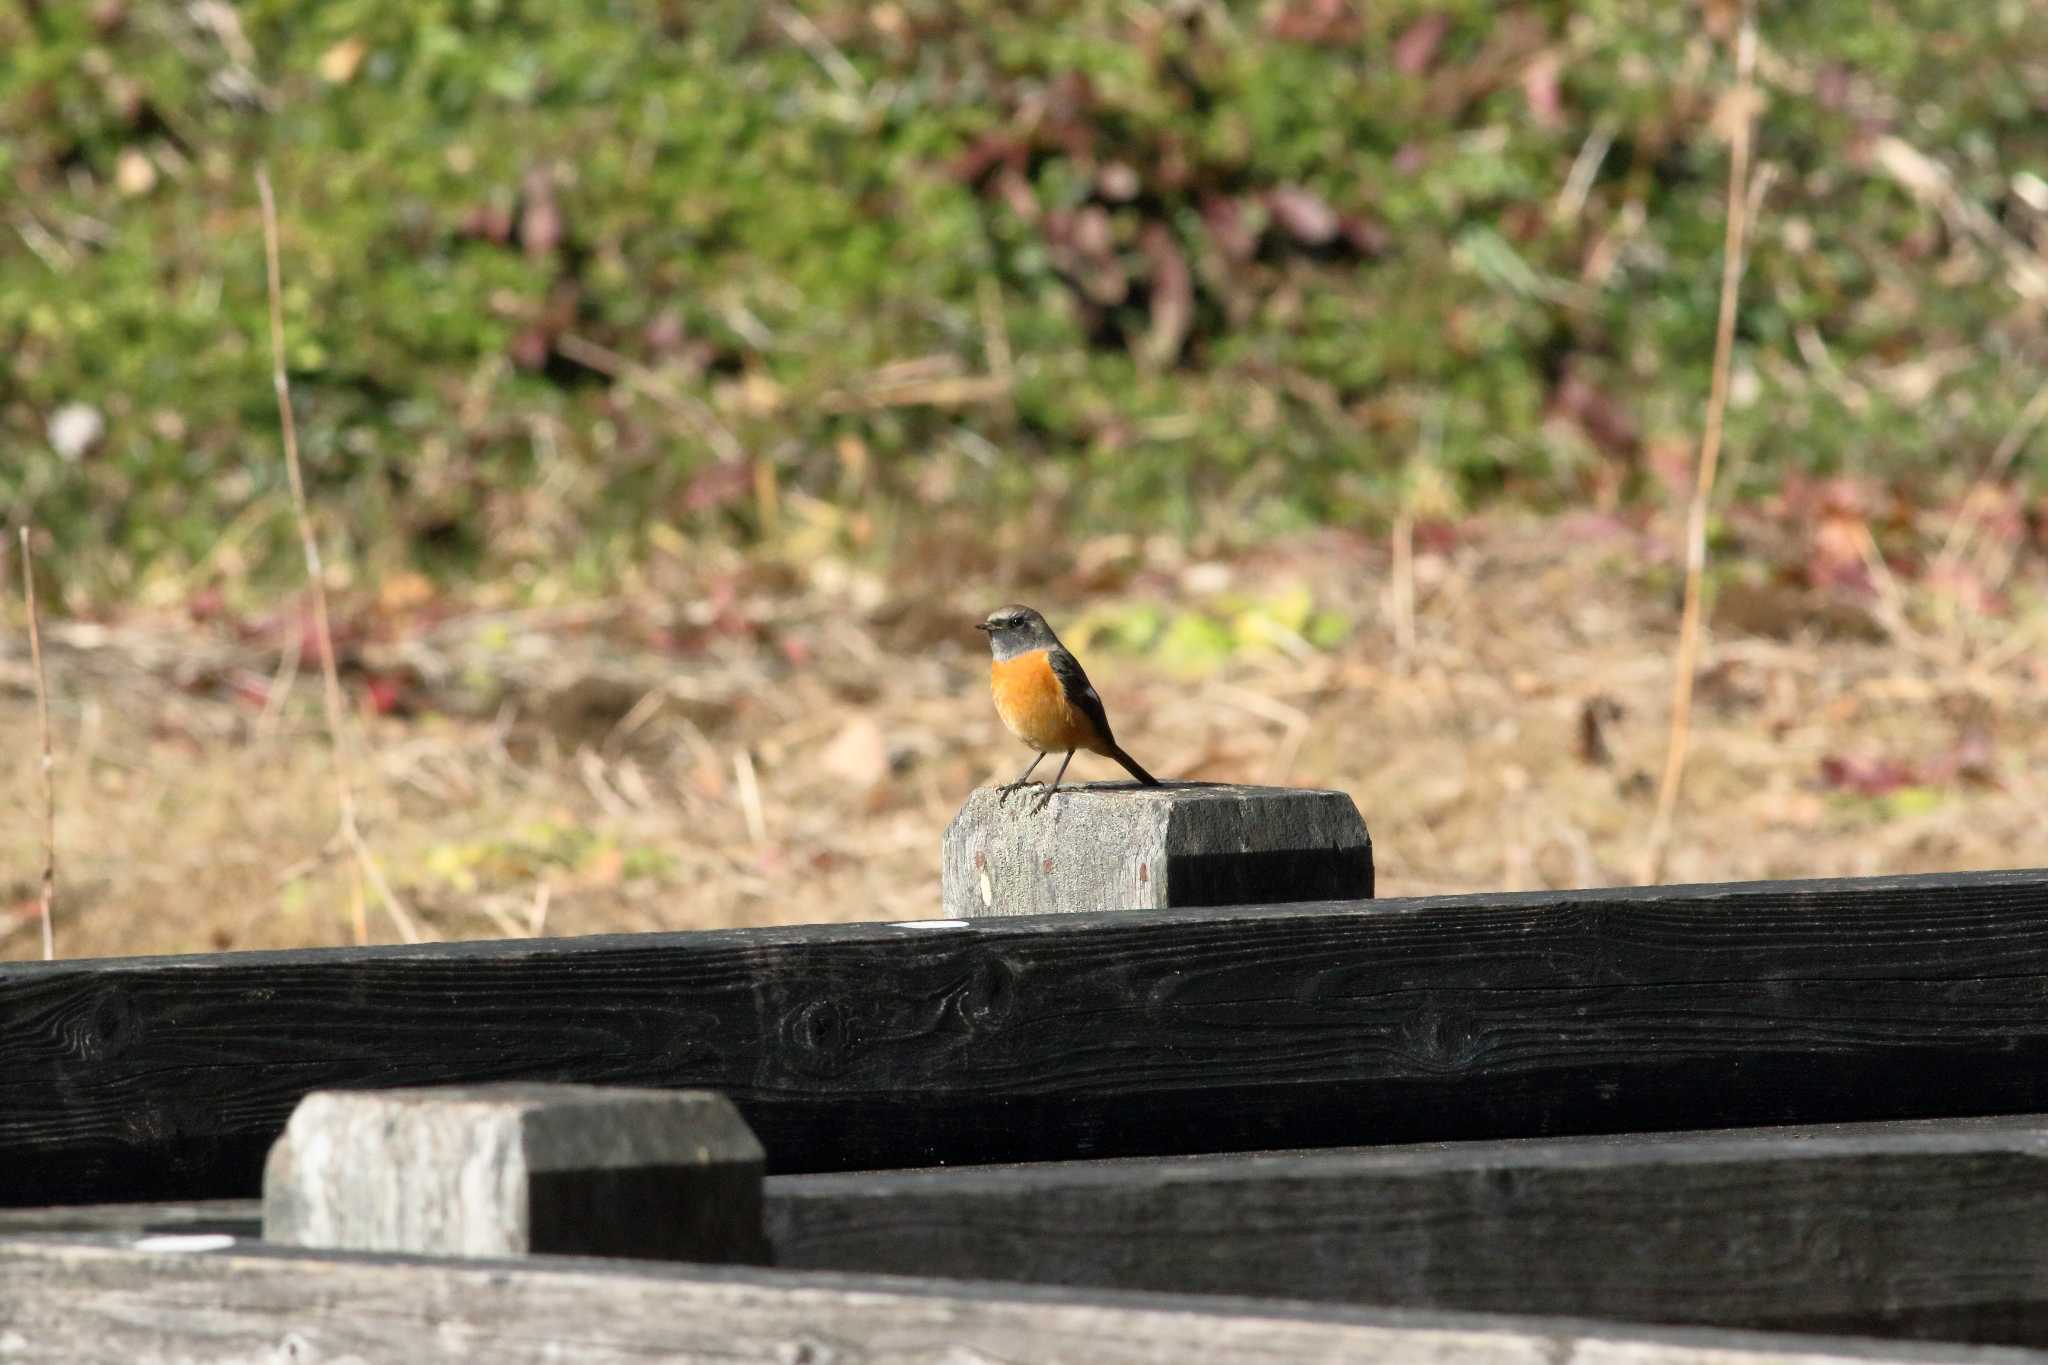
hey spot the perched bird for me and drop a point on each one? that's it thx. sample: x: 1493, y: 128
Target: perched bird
x: 1045, y: 699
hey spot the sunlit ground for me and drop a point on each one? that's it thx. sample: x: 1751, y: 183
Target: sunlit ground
x: 786, y: 744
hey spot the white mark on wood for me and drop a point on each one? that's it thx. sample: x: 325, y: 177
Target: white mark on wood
x: 185, y: 1241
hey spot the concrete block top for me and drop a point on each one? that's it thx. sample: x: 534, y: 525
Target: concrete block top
x: 1120, y: 846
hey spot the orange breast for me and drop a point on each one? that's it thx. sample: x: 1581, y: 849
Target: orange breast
x: 1029, y: 699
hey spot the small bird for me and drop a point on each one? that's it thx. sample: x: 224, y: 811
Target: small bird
x: 1045, y: 699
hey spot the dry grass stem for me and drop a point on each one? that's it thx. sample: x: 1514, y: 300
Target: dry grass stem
x: 750, y: 795
x: 699, y: 418
x: 49, y: 761
x: 1401, y: 589
x: 337, y: 724
x: 1690, y: 622
x: 2015, y: 440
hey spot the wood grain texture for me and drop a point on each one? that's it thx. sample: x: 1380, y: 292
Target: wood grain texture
x: 858, y: 1046
x: 1936, y: 1230
x: 85, y: 1300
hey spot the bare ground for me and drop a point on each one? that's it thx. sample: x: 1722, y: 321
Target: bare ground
x: 755, y: 743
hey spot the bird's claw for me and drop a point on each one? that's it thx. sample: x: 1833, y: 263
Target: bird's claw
x: 1008, y: 788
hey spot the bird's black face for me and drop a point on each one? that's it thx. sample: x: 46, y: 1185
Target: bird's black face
x: 1016, y: 630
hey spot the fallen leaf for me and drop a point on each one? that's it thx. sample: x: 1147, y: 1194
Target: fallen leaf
x: 859, y: 754
x: 1542, y: 90
x: 1173, y: 296
x: 1416, y: 48
x: 1224, y: 219
x: 338, y: 64
x: 540, y: 216
x: 1596, y: 713
x: 1321, y: 22
x: 1303, y: 215
x: 134, y: 173
x: 1867, y: 776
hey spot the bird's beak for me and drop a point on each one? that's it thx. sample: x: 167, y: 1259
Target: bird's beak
x: 984, y: 627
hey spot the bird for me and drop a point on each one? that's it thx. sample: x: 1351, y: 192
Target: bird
x: 1045, y: 699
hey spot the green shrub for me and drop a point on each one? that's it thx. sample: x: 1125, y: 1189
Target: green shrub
x: 1260, y: 256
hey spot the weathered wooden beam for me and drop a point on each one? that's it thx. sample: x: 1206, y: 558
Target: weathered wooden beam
x: 1936, y: 1230
x: 853, y: 1046
x: 84, y: 1300
x: 238, y: 1218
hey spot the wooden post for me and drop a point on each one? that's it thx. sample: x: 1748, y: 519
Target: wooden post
x: 504, y: 1170
x: 1114, y: 846
x: 96, y: 1300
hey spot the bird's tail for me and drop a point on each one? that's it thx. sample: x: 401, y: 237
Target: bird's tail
x: 1130, y: 765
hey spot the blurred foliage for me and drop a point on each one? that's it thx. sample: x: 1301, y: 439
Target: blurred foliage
x: 563, y: 280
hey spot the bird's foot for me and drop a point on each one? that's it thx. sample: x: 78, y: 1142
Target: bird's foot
x: 1044, y: 800
x: 1008, y: 788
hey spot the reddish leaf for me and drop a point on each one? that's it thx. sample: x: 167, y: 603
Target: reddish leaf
x: 1224, y: 219
x: 1014, y: 190
x: 208, y: 604
x: 1303, y: 215
x: 1542, y: 91
x: 719, y: 485
x: 1092, y: 233
x: 992, y: 152
x: 1173, y: 295
x: 540, y: 216
x: 1325, y: 22
x: 1867, y: 776
x: 1117, y: 183
x: 384, y: 693
x: 529, y: 349
x: 251, y: 689
x: 1435, y: 537
x: 1603, y: 421
x: 487, y: 222
x: 1365, y: 236
x: 1596, y: 713
x: 1834, y: 556
x: 664, y: 332
x: 1416, y: 48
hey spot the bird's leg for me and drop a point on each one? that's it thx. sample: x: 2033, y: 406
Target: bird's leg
x: 1055, y: 781
x: 1009, y: 787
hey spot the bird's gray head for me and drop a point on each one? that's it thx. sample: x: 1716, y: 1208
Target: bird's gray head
x: 1015, y: 630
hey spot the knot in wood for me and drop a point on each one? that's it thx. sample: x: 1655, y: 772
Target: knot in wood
x: 820, y: 1034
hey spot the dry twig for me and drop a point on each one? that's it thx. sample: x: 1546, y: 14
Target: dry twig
x: 1710, y: 448
x: 351, y: 832
x: 2015, y: 440
x: 49, y: 763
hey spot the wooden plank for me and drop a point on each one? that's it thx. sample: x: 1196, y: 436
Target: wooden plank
x: 91, y: 1300
x: 1069, y: 1036
x: 1936, y: 1230
x: 240, y: 1218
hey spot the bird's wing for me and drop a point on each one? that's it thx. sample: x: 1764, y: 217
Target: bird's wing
x: 1080, y: 693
